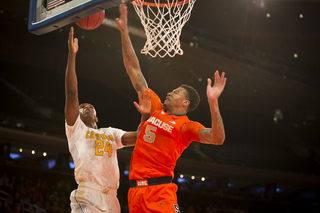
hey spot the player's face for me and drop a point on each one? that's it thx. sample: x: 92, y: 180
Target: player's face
x: 87, y: 110
x: 175, y: 99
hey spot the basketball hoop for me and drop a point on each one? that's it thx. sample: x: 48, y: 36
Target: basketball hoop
x: 163, y: 23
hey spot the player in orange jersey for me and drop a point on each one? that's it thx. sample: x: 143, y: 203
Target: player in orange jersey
x: 165, y: 135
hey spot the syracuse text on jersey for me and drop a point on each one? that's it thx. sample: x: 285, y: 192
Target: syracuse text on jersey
x: 160, y: 124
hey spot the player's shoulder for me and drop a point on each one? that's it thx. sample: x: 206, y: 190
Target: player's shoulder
x: 111, y: 129
x: 192, y: 125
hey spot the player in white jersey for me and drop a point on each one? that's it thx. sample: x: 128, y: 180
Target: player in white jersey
x: 94, y: 151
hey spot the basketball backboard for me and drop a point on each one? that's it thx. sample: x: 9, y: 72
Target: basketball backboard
x: 48, y: 15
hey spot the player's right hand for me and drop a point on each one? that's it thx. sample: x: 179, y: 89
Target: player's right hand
x: 144, y: 106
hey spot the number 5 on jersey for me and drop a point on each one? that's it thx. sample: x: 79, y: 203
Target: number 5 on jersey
x: 149, y: 135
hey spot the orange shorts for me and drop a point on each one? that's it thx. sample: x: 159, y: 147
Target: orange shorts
x: 158, y: 198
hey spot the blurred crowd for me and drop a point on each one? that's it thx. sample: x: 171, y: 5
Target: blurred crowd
x: 20, y: 194
x: 31, y: 191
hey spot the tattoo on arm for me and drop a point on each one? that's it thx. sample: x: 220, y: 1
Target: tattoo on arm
x: 128, y: 56
x: 218, y: 120
x: 134, y: 56
x: 208, y: 131
x: 131, y: 56
x: 125, y: 53
x: 142, y: 82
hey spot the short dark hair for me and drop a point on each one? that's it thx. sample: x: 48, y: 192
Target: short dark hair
x: 192, y: 96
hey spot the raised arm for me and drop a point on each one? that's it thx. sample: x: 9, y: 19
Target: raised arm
x: 71, y: 110
x: 215, y: 134
x: 130, y: 59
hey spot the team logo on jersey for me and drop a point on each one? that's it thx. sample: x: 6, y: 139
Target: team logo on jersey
x: 142, y: 183
x: 176, y: 208
x: 173, y: 122
x: 162, y: 203
x: 162, y: 113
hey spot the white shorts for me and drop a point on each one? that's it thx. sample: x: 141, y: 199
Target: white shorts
x: 91, y: 198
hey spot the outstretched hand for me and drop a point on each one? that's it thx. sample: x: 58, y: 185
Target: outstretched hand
x: 144, y: 106
x: 72, y: 43
x: 122, y: 21
x: 213, y: 92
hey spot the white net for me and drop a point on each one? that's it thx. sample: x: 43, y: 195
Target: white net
x: 163, y: 23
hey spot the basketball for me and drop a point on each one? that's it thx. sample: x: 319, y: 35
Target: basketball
x: 91, y: 22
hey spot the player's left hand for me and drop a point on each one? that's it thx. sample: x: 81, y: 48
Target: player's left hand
x: 144, y: 106
x: 213, y: 92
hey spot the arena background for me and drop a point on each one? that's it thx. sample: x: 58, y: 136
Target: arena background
x: 270, y: 105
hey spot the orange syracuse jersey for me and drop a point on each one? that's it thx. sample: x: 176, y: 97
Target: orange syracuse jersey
x: 160, y: 143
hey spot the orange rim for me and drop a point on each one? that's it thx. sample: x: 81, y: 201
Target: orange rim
x: 160, y: 5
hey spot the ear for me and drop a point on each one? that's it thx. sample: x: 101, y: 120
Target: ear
x: 96, y: 119
x: 186, y: 103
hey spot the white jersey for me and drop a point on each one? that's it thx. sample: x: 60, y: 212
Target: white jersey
x: 94, y: 152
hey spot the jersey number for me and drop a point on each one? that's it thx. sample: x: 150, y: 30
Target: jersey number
x: 100, y: 145
x: 149, y: 135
